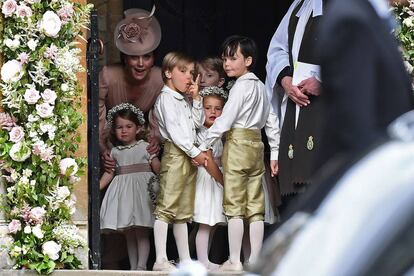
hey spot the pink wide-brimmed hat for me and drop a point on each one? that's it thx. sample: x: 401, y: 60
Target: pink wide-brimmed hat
x: 139, y: 33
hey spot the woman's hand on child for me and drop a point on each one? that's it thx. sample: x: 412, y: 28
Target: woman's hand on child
x: 109, y: 163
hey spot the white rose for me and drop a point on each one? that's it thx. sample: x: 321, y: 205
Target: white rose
x: 62, y: 193
x: 32, y: 118
x: 67, y: 163
x: 32, y: 44
x: 12, y: 44
x: 14, y: 226
x: 27, y: 229
x: 50, y: 24
x: 49, y: 96
x: 408, y: 22
x: 64, y: 87
x: 19, y: 152
x: 16, y: 134
x: 51, y: 249
x: 9, y: 7
x: 11, y: 71
x: 23, y: 11
x: 44, y: 110
x: 37, y: 232
x: 31, y: 96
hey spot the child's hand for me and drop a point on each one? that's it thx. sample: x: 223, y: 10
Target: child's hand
x: 194, y: 87
x: 274, y: 167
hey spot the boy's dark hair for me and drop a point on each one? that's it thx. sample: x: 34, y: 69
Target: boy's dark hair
x: 247, y: 46
x: 126, y: 114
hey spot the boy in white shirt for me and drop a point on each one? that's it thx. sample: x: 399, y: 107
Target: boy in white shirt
x: 175, y: 202
x: 246, y: 112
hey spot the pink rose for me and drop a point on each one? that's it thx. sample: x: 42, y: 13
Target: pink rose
x: 14, y: 226
x: 6, y: 121
x: 23, y: 11
x: 16, y: 134
x: 37, y: 214
x: 31, y: 96
x: 49, y: 96
x: 44, y: 110
x: 9, y: 7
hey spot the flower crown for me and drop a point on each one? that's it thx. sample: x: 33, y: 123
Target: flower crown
x: 214, y: 90
x: 123, y: 106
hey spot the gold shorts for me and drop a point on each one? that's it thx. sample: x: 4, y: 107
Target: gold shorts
x: 175, y: 202
x: 243, y: 167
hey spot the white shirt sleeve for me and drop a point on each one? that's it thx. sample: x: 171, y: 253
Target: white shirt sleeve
x: 173, y: 126
x: 272, y: 130
x: 198, y: 113
x: 229, y: 115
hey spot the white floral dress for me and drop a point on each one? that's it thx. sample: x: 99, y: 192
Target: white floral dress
x: 127, y: 203
x: 208, y: 205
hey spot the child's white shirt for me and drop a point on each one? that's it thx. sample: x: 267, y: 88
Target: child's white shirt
x: 177, y: 119
x: 247, y: 107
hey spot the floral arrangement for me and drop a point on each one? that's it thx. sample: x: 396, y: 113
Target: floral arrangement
x: 122, y: 106
x: 40, y: 96
x: 405, y: 33
x: 214, y: 90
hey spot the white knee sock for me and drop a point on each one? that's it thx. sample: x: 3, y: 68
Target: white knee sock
x: 132, y: 248
x: 143, y: 247
x: 256, y: 239
x: 246, y: 244
x: 181, y: 239
x: 160, y: 240
x: 202, y: 238
x: 235, y: 232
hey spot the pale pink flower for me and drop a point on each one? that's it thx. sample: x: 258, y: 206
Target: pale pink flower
x: 49, y: 96
x: 15, y: 226
x: 46, y: 154
x: 23, y: 11
x: 44, y: 110
x: 16, y: 134
x: 51, y: 52
x: 65, y: 13
x: 31, y: 96
x: 6, y: 121
x: 9, y: 7
x: 23, y: 58
x: 37, y: 215
x: 67, y: 163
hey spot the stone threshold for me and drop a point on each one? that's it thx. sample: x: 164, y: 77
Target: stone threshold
x: 98, y: 273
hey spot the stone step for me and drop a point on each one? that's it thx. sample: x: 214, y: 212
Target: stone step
x: 98, y: 273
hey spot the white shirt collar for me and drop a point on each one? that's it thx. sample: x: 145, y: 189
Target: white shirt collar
x: 381, y: 7
x: 315, y: 5
x: 176, y: 95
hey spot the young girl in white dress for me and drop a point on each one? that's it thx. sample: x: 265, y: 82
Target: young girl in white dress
x: 208, y: 206
x: 126, y: 206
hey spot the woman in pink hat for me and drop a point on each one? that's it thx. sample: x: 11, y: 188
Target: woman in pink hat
x: 136, y: 80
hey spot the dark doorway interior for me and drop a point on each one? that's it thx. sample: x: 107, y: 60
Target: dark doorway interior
x: 198, y: 27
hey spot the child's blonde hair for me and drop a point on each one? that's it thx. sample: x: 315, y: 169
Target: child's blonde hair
x: 172, y: 60
x: 214, y: 64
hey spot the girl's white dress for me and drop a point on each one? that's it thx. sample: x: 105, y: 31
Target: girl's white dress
x: 208, y: 205
x: 126, y: 202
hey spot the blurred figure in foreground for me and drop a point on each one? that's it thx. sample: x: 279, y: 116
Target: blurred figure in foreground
x: 365, y: 84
